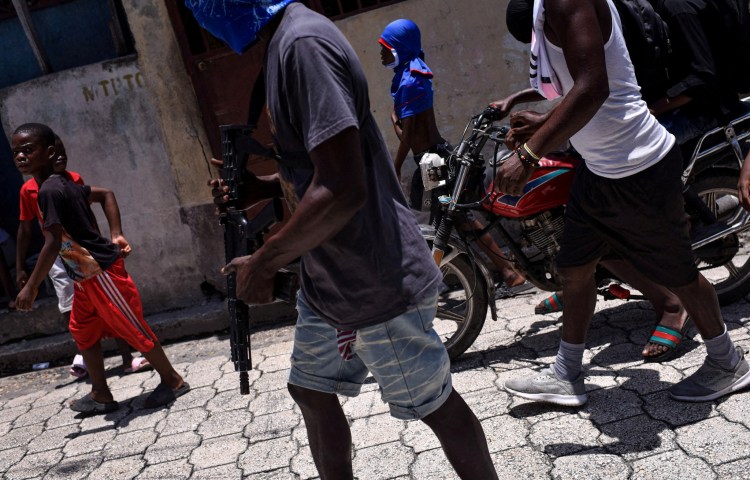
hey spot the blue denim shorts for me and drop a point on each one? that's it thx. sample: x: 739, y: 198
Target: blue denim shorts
x: 404, y: 354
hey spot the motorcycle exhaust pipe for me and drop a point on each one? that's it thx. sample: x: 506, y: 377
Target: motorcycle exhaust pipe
x: 721, y: 230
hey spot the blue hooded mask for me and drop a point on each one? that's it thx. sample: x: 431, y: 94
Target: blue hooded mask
x: 404, y: 37
x: 411, y: 87
x: 236, y: 22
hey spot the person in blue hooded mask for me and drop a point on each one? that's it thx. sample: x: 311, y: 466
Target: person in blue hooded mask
x: 413, y: 114
x: 368, y: 283
x: 414, y: 122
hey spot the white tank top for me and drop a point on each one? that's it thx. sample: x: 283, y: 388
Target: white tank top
x: 622, y: 138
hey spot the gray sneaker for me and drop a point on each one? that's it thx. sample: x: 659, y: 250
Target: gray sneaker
x: 711, y: 381
x: 547, y: 387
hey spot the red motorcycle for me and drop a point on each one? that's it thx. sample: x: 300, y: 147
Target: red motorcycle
x: 530, y: 225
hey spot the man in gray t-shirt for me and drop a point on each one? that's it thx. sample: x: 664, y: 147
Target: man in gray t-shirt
x: 369, y: 285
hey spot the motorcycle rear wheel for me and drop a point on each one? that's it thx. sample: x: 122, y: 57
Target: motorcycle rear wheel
x: 725, y: 262
x: 462, y: 306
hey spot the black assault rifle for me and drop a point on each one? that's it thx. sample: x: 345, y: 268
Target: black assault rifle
x: 243, y: 236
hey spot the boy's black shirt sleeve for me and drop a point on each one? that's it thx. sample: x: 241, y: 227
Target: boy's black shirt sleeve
x: 65, y: 203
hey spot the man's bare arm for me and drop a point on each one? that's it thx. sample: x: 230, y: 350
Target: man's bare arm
x: 575, y: 26
x: 337, y: 191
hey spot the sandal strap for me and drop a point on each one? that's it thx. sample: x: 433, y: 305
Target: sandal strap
x: 666, y: 336
x: 553, y: 302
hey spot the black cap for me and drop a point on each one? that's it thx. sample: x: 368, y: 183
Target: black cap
x: 519, y: 18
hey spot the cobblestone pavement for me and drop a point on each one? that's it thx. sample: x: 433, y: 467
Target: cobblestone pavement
x: 628, y: 429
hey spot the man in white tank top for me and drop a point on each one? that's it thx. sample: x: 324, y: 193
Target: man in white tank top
x: 626, y: 200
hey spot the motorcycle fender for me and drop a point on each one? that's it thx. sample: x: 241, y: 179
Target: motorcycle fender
x: 458, y: 248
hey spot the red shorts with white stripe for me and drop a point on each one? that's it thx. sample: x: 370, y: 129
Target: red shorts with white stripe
x: 109, y: 305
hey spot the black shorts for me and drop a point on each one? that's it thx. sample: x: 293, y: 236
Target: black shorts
x: 640, y: 218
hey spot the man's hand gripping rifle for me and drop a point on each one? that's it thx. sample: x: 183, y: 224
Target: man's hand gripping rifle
x: 243, y: 236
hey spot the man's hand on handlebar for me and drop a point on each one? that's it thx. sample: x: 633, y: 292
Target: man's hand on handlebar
x: 502, y: 107
x: 523, y: 125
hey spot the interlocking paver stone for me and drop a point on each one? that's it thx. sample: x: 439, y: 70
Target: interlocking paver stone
x: 269, y: 381
x: 203, y: 377
x: 674, y: 464
x: 564, y: 435
x: 20, y: 436
x: 267, y: 455
x: 10, y: 414
x: 138, y: 421
x: 230, y: 400
x: 34, y: 465
x: 228, y: 472
x: 222, y: 423
x: 219, y: 451
x: 166, y: 471
x: 591, y: 467
x: 629, y: 429
x: 738, y: 469
x: 120, y: 468
x: 419, y: 437
x: 701, y: 440
x: 10, y: 457
x: 274, y: 425
x: 637, y: 437
x: 521, y: 464
x: 53, y: 438
x: 432, y: 464
x: 271, y: 402
x: 611, y: 404
x: 89, y: 441
x: 25, y: 400
x: 182, y: 421
x: 168, y: 448
x: 736, y: 408
x: 129, y: 444
x: 196, y: 397
x: 302, y: 464
x: 73, y: 468
x: 382, y: 461
x: 376, y: 430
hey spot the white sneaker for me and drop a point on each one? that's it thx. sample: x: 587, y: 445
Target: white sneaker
x: 547, y: 387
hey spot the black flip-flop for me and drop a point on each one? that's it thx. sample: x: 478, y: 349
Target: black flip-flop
x: 89, y: 406
x: 163, y: 395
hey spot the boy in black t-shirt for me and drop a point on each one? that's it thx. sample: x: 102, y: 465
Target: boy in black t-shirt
x: 107, y: 302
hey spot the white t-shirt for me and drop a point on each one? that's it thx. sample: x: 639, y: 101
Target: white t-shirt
x: 622, y: 138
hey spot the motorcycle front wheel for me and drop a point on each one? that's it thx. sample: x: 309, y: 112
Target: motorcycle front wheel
x: 724, y: 262
x: 462, y: 305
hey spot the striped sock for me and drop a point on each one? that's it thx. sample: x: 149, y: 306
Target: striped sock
x: 569, y: 361
x: 721, y: 350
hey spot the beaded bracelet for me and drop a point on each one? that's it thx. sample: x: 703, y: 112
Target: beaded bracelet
x: 525, y: 159
x: 528, y: 150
